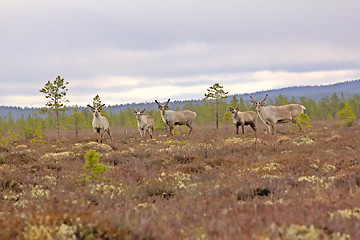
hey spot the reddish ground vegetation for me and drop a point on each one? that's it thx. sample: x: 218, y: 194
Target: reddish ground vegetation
x: 211, y: 185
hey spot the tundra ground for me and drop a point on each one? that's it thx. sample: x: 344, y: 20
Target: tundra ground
x: 210, y: 185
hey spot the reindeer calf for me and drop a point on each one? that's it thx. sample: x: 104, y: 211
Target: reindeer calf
x: 243, y: 118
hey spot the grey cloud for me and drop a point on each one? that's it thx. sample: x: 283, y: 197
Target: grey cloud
x: 166, y: 40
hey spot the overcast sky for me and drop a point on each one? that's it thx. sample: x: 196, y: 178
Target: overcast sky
x: 141, y: 50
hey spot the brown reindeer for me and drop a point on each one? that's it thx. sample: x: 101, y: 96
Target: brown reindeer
x: 172, y: 118
x: 272, y: 115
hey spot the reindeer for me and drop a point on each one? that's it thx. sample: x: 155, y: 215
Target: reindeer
x: 100, y: 123
x: 172, y: 118
x: 244, y: 118
x: 272, y: 115
x: 145, y: 123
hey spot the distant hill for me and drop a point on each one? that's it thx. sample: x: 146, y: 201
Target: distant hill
x: 347, y: 89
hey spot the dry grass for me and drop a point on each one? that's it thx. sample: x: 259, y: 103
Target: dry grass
x: 211, y: 185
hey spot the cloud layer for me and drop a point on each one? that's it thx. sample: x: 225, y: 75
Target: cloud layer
x: 135, y: 51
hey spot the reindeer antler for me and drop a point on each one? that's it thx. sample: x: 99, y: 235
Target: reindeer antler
x: 252, y: 100
x: 158, y: 103
x: 167, y: 102
x: 99, y: 108
x: 264, y: 98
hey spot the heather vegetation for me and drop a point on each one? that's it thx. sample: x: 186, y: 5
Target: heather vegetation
x: 209, y: 185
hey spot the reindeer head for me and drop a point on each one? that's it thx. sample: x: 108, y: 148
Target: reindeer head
x: 96, y: 110
x: 163, y: 108
x: 138, y: 114
x: 234, y: 111
x: 257, y: 104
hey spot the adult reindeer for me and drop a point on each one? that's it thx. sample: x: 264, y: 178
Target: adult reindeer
x: 145, y: 123
x: 272, y: 115
x: 100, y: 123
x: 172, y: 118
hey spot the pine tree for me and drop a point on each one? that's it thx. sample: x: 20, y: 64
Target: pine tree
x: 347, y: 116
x: 55, y: 91
x: 77, y: 120
x: 216, y: 94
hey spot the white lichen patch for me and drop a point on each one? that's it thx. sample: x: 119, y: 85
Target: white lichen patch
x: 304, y: 141
x: 58, y: 156
x: 181, y: 180
x: 141, y: 206
x: 328, y: 167
x: 48, y: 232
x: 105, y: 189
x: 347, y: 213
x: 295, y: 231
x: 51, y: 179
x: 240, y: 141
x: 269, y: 168
x: 38, y: 232
x: 66, y: 232
x: 234, y: 140
x: 39, y: 191
x: 323, y: 182
x: 99, y: 146
x: 21, y: 149
x: 278, y: 201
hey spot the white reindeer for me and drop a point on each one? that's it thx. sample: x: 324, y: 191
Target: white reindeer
x: 244, y: 118
x: 172, y: 118
x: 272, y: 115
x: 100, y: 123
x: 145, y: 123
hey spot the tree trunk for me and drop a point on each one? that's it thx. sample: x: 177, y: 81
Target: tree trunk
x: 57, y: 125
x: 217, y: 115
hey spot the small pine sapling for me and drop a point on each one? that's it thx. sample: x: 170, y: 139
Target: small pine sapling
x: 302, y: 122
x: 92, y: 164
x: 347, y: 116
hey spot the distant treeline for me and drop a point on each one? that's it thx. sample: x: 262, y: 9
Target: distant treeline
x: 325, y: 109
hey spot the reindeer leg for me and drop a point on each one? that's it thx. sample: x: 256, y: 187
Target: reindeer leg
x: 190, y: 126
x: 101, y: 136
x: 269, y: 128
x: 252, y: 125
x: 171, y: 129
x: 144, y: 133
x: 242, y: 127
x: 237, y: 128
x: 108, y: 131
x: 151, y: 131
x: 273, y: 135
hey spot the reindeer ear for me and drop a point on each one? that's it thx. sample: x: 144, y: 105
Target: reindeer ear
x: 231, y: 109
x: 237, y: 108
x: 90, y: 106
x: 135, y: 111
x: 143, y: 111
